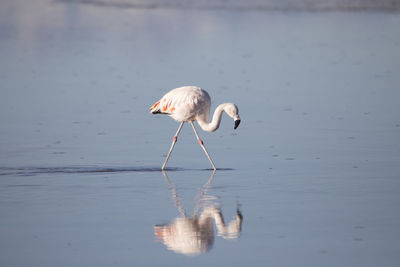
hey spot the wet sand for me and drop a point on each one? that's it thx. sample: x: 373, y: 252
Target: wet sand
x: 310, y: 177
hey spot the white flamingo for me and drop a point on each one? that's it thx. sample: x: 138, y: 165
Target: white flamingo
x: 191, y: 103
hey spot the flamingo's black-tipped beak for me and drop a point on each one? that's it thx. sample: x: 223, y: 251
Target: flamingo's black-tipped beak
x: 237, y: 122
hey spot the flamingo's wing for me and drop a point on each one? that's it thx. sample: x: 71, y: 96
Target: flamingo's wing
x: 182, y: 103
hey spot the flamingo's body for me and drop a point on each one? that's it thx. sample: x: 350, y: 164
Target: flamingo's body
x: 191, y: 103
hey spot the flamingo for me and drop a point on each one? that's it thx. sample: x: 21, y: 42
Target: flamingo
x: 191, y: 103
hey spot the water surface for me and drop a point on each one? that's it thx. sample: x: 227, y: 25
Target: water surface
x: 310, y: 177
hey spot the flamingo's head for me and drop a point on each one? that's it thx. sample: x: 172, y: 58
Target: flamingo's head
x: 233, y: 111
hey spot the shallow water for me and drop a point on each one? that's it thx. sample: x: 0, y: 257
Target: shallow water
x: 310, y: 177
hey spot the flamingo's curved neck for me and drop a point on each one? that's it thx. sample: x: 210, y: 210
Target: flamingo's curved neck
x: 216, y: 120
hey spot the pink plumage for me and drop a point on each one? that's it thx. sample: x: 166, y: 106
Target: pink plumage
x: 184, y: 104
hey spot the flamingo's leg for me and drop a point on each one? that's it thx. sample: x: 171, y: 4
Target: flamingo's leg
x: 202, y: 146
x: 172, y: 145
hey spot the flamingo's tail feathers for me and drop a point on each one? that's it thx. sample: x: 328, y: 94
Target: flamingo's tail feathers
x: 165, y: 108
x: 155, y: 109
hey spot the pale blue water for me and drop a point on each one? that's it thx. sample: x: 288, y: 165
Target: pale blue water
x: 313, y: 170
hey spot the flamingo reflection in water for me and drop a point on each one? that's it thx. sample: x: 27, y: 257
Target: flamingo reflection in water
x: 193, y: 235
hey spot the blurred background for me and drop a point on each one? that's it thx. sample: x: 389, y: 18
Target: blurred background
x: 78, y: 76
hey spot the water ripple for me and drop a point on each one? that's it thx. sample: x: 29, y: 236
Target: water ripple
x: 254, y: 5
x: 31, y: 171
